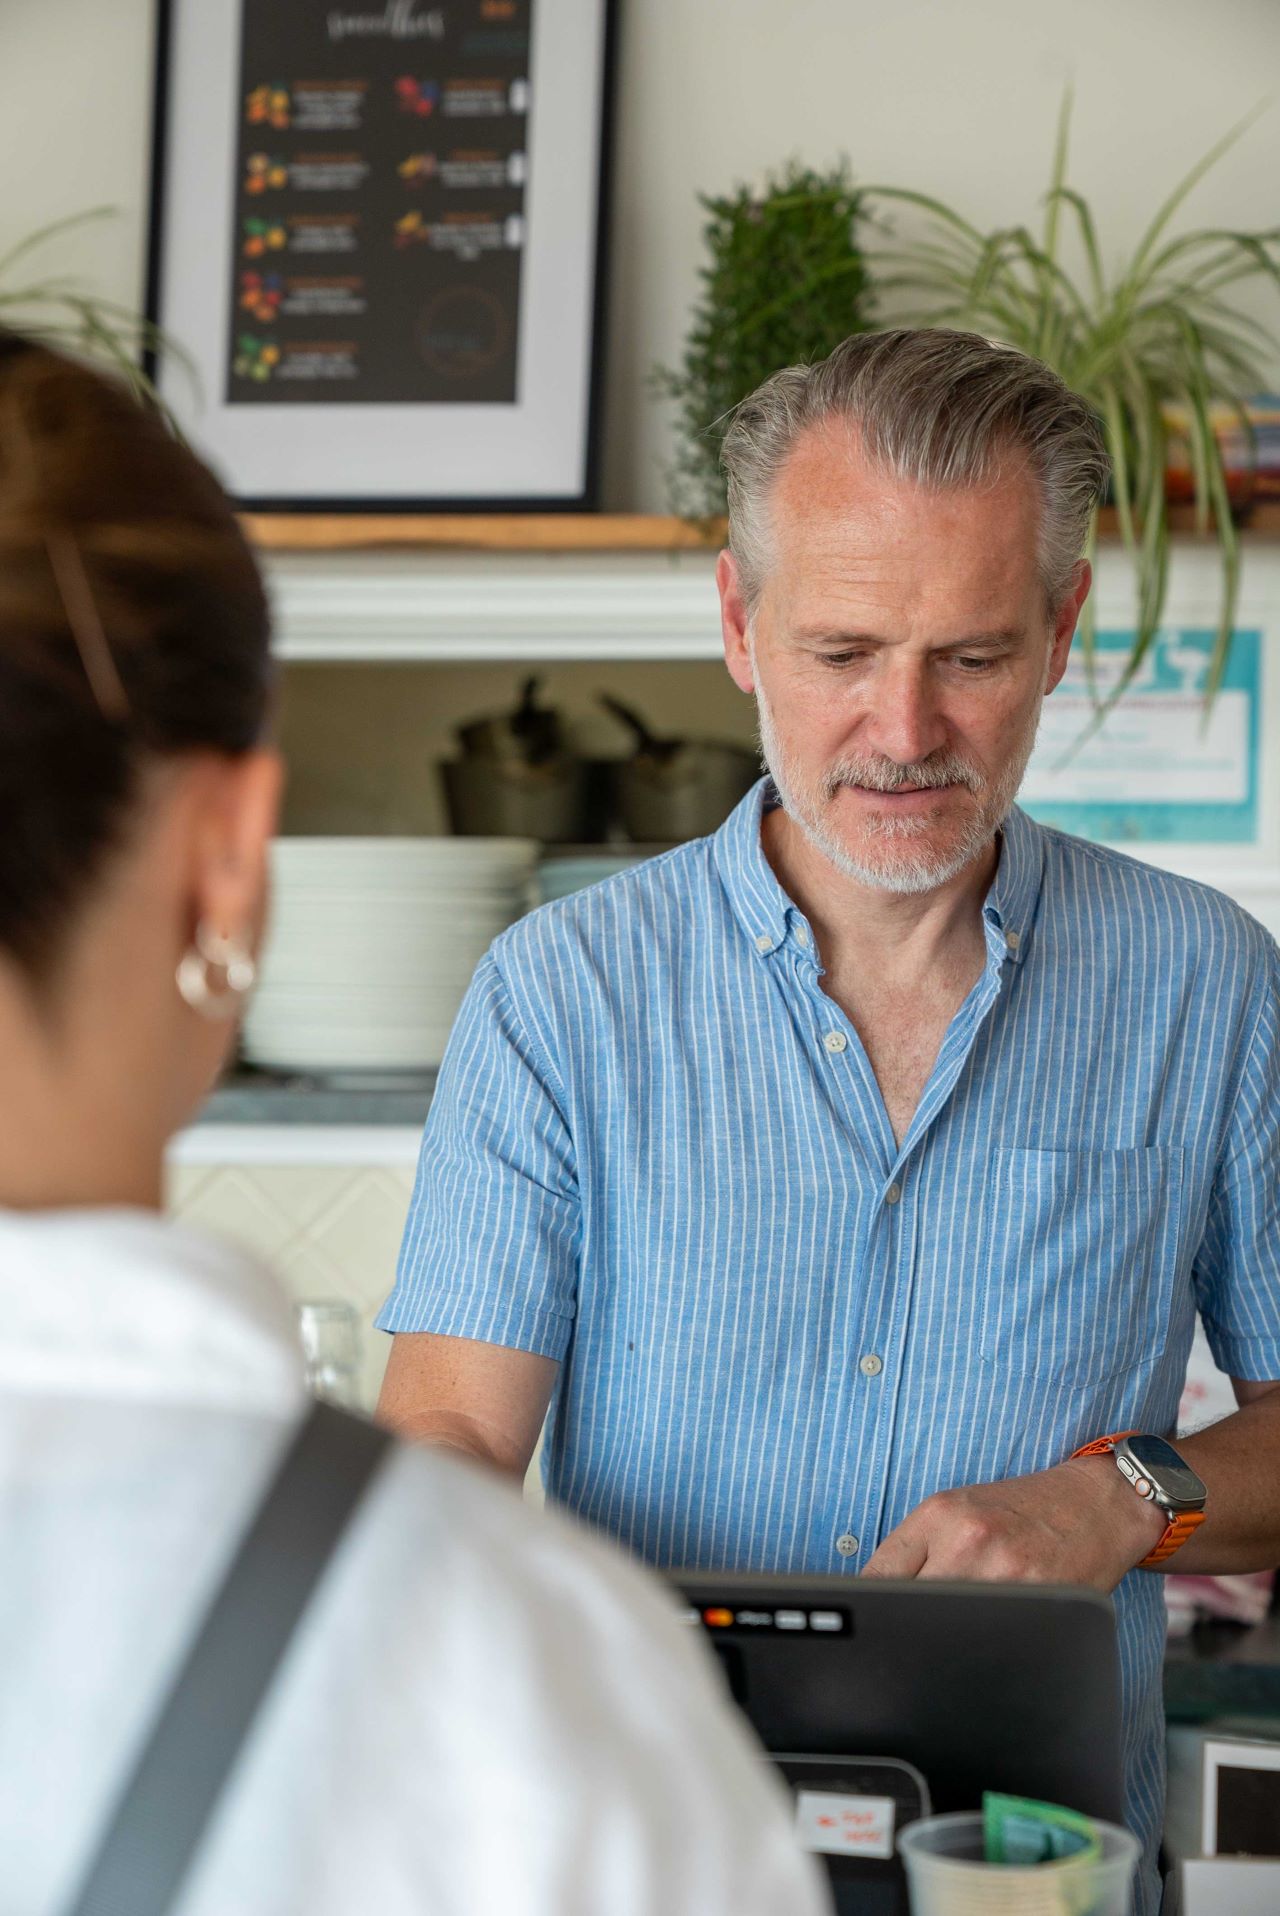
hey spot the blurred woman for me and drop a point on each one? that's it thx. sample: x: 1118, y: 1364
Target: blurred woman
x: 481, y: 1711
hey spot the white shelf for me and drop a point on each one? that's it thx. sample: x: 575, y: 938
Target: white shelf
x: 495, y: 607
x: 499, y: 607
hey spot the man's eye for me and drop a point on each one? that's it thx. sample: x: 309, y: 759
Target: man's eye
x: 841, y: 658
x: 975, y: 667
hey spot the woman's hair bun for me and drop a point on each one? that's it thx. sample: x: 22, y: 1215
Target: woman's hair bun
x: 133, y: 626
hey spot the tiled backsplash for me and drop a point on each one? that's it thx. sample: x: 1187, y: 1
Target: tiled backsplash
x: 326, y: 1230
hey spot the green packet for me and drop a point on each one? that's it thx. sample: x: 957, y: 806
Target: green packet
x: 1017, y: 1830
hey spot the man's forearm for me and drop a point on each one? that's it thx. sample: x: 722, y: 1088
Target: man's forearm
x: 450, y: 1430
x: 484, y: 1400
x: 1239, y: 1461
x: 1080, y: 1522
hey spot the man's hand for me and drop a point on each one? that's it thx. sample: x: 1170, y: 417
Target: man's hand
x: 1077, y: 1523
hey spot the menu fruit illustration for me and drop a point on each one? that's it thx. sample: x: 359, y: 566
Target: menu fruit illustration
x: 381, y: 174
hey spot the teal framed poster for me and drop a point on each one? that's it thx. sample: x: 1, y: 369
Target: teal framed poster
x: 1159, y: 770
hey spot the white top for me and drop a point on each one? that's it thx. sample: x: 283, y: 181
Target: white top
x: 484, y: 1713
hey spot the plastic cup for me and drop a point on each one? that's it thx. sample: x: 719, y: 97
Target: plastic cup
x: 947, y: 1876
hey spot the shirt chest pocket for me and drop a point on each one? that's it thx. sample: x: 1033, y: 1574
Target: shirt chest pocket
x: 1084, y: 1264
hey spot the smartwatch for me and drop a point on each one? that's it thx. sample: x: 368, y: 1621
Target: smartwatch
x: 1159, y: 1474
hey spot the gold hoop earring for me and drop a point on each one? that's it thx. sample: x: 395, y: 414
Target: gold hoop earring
x: 214, y: 952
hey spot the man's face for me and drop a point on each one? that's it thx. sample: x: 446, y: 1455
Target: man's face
x: 899, y: 655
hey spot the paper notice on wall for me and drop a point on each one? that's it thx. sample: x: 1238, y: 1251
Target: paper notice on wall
x: 1152, y: 750
x: 1161, y: 767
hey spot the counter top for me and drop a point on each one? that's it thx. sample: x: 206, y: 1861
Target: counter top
x: 249, y: 1096
x: 1222, y: 1669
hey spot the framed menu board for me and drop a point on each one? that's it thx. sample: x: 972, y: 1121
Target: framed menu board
x: 377, y: 238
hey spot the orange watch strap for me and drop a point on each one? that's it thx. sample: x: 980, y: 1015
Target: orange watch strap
x: 1103, y: 1446
x: 1179, y: 1528
x: 1184, y: 1525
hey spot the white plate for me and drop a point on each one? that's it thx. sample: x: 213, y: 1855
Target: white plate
x: 357, y: 928
x: 372, y: 959
x: 370, y: 969
x: 336, y: 1047
x: 428, y: 916
x: 395, y: 861
x: 407, y: 1003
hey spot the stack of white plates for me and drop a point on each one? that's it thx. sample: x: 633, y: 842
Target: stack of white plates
x: 373, y: 943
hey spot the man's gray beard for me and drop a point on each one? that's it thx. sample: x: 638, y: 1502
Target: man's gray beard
x: 904, y: 873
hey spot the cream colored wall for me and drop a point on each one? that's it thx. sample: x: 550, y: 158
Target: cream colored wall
x: 362, y: 741
x: 956, y: 97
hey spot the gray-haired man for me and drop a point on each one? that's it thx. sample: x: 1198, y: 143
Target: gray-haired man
x: 836, y: 1178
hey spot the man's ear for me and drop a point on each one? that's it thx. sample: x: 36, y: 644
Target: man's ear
x: 734, y: 623
x: 1064, y: 626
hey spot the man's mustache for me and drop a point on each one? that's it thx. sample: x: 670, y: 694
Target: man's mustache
x: 887, y: 775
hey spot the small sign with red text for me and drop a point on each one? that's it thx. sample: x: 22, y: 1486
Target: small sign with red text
x: 844, y: 1825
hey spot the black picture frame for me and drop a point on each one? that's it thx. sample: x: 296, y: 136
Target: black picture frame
x: 595, y: 134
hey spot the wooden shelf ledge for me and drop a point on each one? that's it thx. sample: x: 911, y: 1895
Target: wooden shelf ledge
x: 491, y: 532
x: 565, y: 532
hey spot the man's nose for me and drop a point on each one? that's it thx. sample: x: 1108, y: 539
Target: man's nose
x: 907, y: 722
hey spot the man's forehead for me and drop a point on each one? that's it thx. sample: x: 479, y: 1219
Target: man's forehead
x: 828, y: 480
x: 839, y: 520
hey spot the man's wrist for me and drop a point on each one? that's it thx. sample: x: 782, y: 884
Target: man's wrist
x: 1138, y: 1524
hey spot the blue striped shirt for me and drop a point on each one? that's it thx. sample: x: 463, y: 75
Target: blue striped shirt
x: 657, y: 1152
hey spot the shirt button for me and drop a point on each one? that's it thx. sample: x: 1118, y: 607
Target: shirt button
x: 802, y: 936
x: 835, y: 1041
x: 892, y: 1195
x: 764, y: 942
x: 871, y: 1365
x: 1012, y: 939
x: 847, y: 1545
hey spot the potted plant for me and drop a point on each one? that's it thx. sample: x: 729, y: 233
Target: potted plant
x: 785, y: 282
x: 57, y: 308
x: 1157, y: 332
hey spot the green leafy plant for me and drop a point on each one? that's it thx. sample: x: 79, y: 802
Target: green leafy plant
x: 1159, y: 331
x: 57, y: 308
x: 784, y: 283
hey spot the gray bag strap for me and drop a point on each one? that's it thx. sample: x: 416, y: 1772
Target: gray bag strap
x: 165, y: 1806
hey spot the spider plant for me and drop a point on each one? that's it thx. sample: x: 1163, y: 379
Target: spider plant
x: 57, y: 308
x: 1159, y: 330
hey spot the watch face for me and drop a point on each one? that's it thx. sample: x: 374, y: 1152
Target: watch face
x: 1175, y: 1482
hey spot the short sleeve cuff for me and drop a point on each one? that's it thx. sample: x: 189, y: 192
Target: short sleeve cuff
x: 1256, y: 1360
x: 544, y: 1333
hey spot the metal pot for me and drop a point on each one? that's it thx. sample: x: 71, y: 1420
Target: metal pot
x: 687, y: 797
x: 530, y: 735
x: 558, y: 801
x: 674, y: 789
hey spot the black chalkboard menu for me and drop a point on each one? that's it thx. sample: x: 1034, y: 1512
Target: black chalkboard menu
x: 377, y: 235
x: 380, y: 206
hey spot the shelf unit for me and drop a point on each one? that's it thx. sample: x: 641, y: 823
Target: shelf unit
x: 536, y: 589
x: 589, y: 587
x: 567, y: 532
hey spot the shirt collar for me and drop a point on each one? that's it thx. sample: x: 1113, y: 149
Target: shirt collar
x: 758, y: 900
x: 1014, y: 895
x: 767, y: 914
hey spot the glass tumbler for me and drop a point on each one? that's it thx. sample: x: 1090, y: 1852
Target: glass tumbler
x: 329, y: 1332
x: 948, y: 1876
